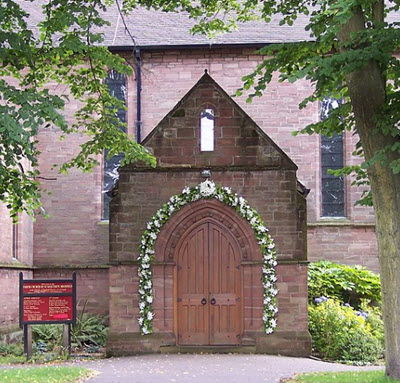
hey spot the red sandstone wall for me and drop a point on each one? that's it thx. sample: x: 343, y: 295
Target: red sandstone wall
x: 292, y: 297
x: 10, y: 267
x: 351, y: 244
x: 24, y: 242
x: 173, y: 73
x: 124, y: 302
x: 5, y: 235
x: 72, y: 234
x: 9, y: 287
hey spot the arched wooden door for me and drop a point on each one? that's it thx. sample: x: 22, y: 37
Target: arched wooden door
x: 209, y: 307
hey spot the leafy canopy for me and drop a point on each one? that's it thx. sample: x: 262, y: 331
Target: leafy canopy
x: 64, y: 49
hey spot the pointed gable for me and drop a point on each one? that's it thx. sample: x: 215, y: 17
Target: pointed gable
x: 238, y: 140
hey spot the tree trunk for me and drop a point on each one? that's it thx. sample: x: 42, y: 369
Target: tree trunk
x: 367, y: 89
x: 385, y: 188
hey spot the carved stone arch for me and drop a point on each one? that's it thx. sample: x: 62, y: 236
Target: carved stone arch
x: 204, y: 220
x: 205, y: 209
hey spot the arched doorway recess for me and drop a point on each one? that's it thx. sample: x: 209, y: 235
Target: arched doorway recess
x: 211, y: 246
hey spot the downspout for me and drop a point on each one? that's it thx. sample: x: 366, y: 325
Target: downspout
x: 138, y: 70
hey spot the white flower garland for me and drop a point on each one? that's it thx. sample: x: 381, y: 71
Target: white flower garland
x: 205, y: 190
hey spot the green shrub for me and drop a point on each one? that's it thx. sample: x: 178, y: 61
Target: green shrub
x: 348, y: 284
x: 47, y: 336
x: 14, y: 349
x: 375, y: 321
x: 90, y: 332
x: 343, y: 334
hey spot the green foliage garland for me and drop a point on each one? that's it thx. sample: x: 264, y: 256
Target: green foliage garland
x: 206, y: 190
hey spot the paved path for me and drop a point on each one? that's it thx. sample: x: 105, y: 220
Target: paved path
x: 205, y: 368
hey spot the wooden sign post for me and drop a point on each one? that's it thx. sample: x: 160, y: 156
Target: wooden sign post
x: 46, y: 301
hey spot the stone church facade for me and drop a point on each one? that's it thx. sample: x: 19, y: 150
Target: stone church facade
x: 207, y: 269
x: 75, y: 237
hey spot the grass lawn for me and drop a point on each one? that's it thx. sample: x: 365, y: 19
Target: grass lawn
x: 51, y: 374
x: 344, y: 377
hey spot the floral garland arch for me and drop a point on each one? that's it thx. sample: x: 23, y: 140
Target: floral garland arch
x: 205, y: 190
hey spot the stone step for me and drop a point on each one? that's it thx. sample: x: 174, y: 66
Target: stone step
x: 208, y: 349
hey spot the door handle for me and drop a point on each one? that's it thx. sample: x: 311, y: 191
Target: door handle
x: 213, y: 301
x: 203, y: 301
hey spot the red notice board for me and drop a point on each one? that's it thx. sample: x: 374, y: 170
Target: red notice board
x: 47, y: 301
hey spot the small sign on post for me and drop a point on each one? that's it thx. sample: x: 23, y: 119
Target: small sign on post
x: 46, y: 301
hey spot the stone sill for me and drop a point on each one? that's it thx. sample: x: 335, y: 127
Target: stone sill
x: 16, y: 266
x: 339, y: 223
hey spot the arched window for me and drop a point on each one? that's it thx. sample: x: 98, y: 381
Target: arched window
x: 15, y: 241
x: 207, y: 130
x: 116, y: 83
x: 332, y: 157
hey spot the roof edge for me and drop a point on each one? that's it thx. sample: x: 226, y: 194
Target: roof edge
x: 116, y: 48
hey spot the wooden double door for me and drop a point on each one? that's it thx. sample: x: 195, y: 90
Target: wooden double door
x: 209, y: 286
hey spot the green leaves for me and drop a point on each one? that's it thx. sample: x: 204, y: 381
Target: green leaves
x: 340, y: 333
x: 66, y: 53
x: 349, y: 284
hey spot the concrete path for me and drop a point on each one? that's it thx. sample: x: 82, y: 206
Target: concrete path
x: 205, y: 368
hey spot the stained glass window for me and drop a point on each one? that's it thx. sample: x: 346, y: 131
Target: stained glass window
x: 333, y: 204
